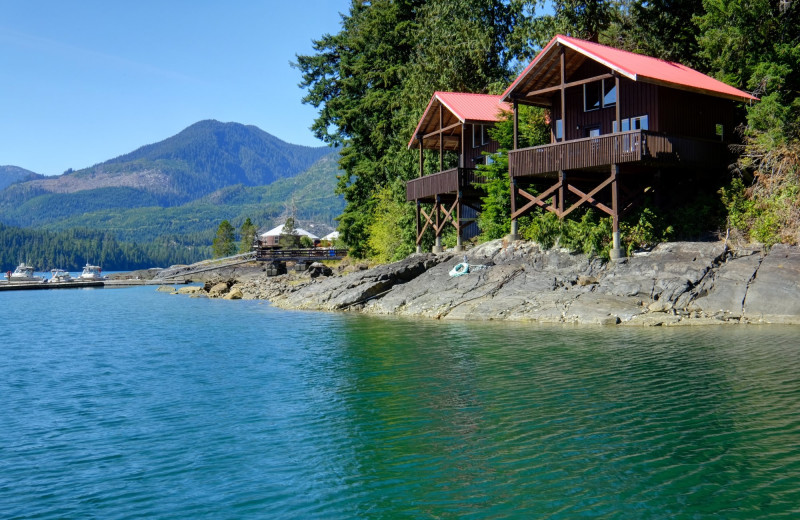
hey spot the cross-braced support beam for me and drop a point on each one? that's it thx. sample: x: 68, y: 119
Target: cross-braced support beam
x: 439, y: 216
x: 553, y: 199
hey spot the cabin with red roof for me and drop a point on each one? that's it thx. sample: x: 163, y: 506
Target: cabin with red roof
x: 455, y: 124
x: 621, y: 122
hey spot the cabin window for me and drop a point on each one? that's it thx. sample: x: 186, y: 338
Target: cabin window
x: 634, y: 123
x: 485, y: 134
x: 609, y: 93
x: 599, y: 94
x: 559, y: 130
x: 720, y: 131
x: 478, y: 133
x: 591, y: 96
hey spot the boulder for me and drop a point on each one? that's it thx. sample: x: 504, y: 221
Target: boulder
x: 191, y: 289
x: 318, y: 269
x: 234, y: 294
x: 218, y: 290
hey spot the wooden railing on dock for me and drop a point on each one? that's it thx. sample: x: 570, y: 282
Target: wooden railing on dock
x: 300, y: 255
x: 447, y: 181
x: 624, y: 147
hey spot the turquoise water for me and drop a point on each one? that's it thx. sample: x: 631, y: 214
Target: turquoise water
x: 127, y: 403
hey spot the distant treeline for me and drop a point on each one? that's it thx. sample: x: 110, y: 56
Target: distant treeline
x: 72, y: 249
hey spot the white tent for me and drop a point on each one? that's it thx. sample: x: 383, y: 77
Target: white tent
x: 334, y: 235
x: 278, y: 231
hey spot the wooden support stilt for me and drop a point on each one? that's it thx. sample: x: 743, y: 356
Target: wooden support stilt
x: 616, y: 249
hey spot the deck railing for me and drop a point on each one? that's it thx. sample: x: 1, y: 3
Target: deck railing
x: 624, y: 147
x: 313, y: 253
x: 447, y: 181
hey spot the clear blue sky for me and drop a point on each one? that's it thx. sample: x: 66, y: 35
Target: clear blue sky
x: 88, y: 80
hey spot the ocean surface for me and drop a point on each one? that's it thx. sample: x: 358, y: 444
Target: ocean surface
x: 128, y: 403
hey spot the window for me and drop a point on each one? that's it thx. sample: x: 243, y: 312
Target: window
x: 634, y: 123
x: 720, y: 131
x: 480, y: 135
x: 599, y: 94
x: 559, y: 130
x: 639, y: 123
x: 591, y: 96
x: 609, y: 93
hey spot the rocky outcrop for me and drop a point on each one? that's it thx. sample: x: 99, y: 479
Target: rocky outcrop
x: 675, y: 284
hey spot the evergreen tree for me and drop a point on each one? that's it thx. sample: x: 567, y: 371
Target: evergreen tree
x: 224, y: 243
x: 248, y: 235
x: 372, y: 80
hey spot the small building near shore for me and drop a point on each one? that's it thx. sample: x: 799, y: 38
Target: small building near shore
x: 272, y: 237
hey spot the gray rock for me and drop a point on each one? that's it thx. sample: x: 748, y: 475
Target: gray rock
x: 726, y: 289
x: 774, y: 293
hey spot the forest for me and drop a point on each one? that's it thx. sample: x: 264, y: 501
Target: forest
x: 372, y: 80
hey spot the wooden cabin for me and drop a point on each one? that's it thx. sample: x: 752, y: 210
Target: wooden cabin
x: 454, y: 124
x: 620, y: 121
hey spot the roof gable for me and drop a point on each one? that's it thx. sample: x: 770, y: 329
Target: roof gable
x: 544, y: 70
x: 460, y: 107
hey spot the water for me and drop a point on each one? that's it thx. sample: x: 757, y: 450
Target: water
x: 127, y: 403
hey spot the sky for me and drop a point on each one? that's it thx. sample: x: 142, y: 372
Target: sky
x: 86, y: 81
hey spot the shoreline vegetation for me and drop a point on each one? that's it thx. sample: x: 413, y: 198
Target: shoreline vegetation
x: 677, y: 283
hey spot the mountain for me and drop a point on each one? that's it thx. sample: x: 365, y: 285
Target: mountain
x: 203, y: 158
x: 12, y: 174
x: 310, y: 195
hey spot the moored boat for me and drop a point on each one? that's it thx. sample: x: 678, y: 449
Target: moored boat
x: 91, y: 273
x: 60, y: 275
x: 23, y: 273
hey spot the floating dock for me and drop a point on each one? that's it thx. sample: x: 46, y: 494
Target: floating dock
x: 31, y: 286
x: 74, y: 284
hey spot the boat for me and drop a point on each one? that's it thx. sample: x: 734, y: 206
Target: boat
x: 23, y: 273
x: 60, y: 275
x: 91, y: 273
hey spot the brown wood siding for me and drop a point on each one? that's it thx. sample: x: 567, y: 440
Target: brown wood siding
x: 695, y: 115
x: 637, y: 99
x: 474, y: 156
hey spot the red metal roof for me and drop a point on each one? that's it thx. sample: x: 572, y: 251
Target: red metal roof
x: 638, y: 68
x: 471, y: 108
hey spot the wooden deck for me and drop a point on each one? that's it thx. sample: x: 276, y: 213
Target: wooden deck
x: 445, y: 182
x: 621, y: 148
x: 299, y: 255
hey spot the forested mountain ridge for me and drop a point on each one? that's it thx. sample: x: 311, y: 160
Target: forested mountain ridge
x: 13, y: 174
x: 203, y: 158
x: 121, y: 239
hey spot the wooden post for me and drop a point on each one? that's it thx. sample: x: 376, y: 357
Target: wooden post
x: 421, y: 155
x: 514, y: 235
x: 419, y: 229
x: 562, y: 177
x: 618, y: 110
x: 459, y: 235
x: 441, y: 139
x: 563, y: 97
x: 437, y: 246
x: 616, y: 249
x: 462, y: 160
x: 516, y: 123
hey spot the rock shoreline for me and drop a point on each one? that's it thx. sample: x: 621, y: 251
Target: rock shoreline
x: 679, y: 283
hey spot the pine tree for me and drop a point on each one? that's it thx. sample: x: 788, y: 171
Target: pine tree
x: 224, y: 243
x: 248, y: 236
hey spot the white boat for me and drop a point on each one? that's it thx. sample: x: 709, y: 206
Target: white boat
x: 91, y: 273
x: 60, y: 275
x: 23, y: 273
